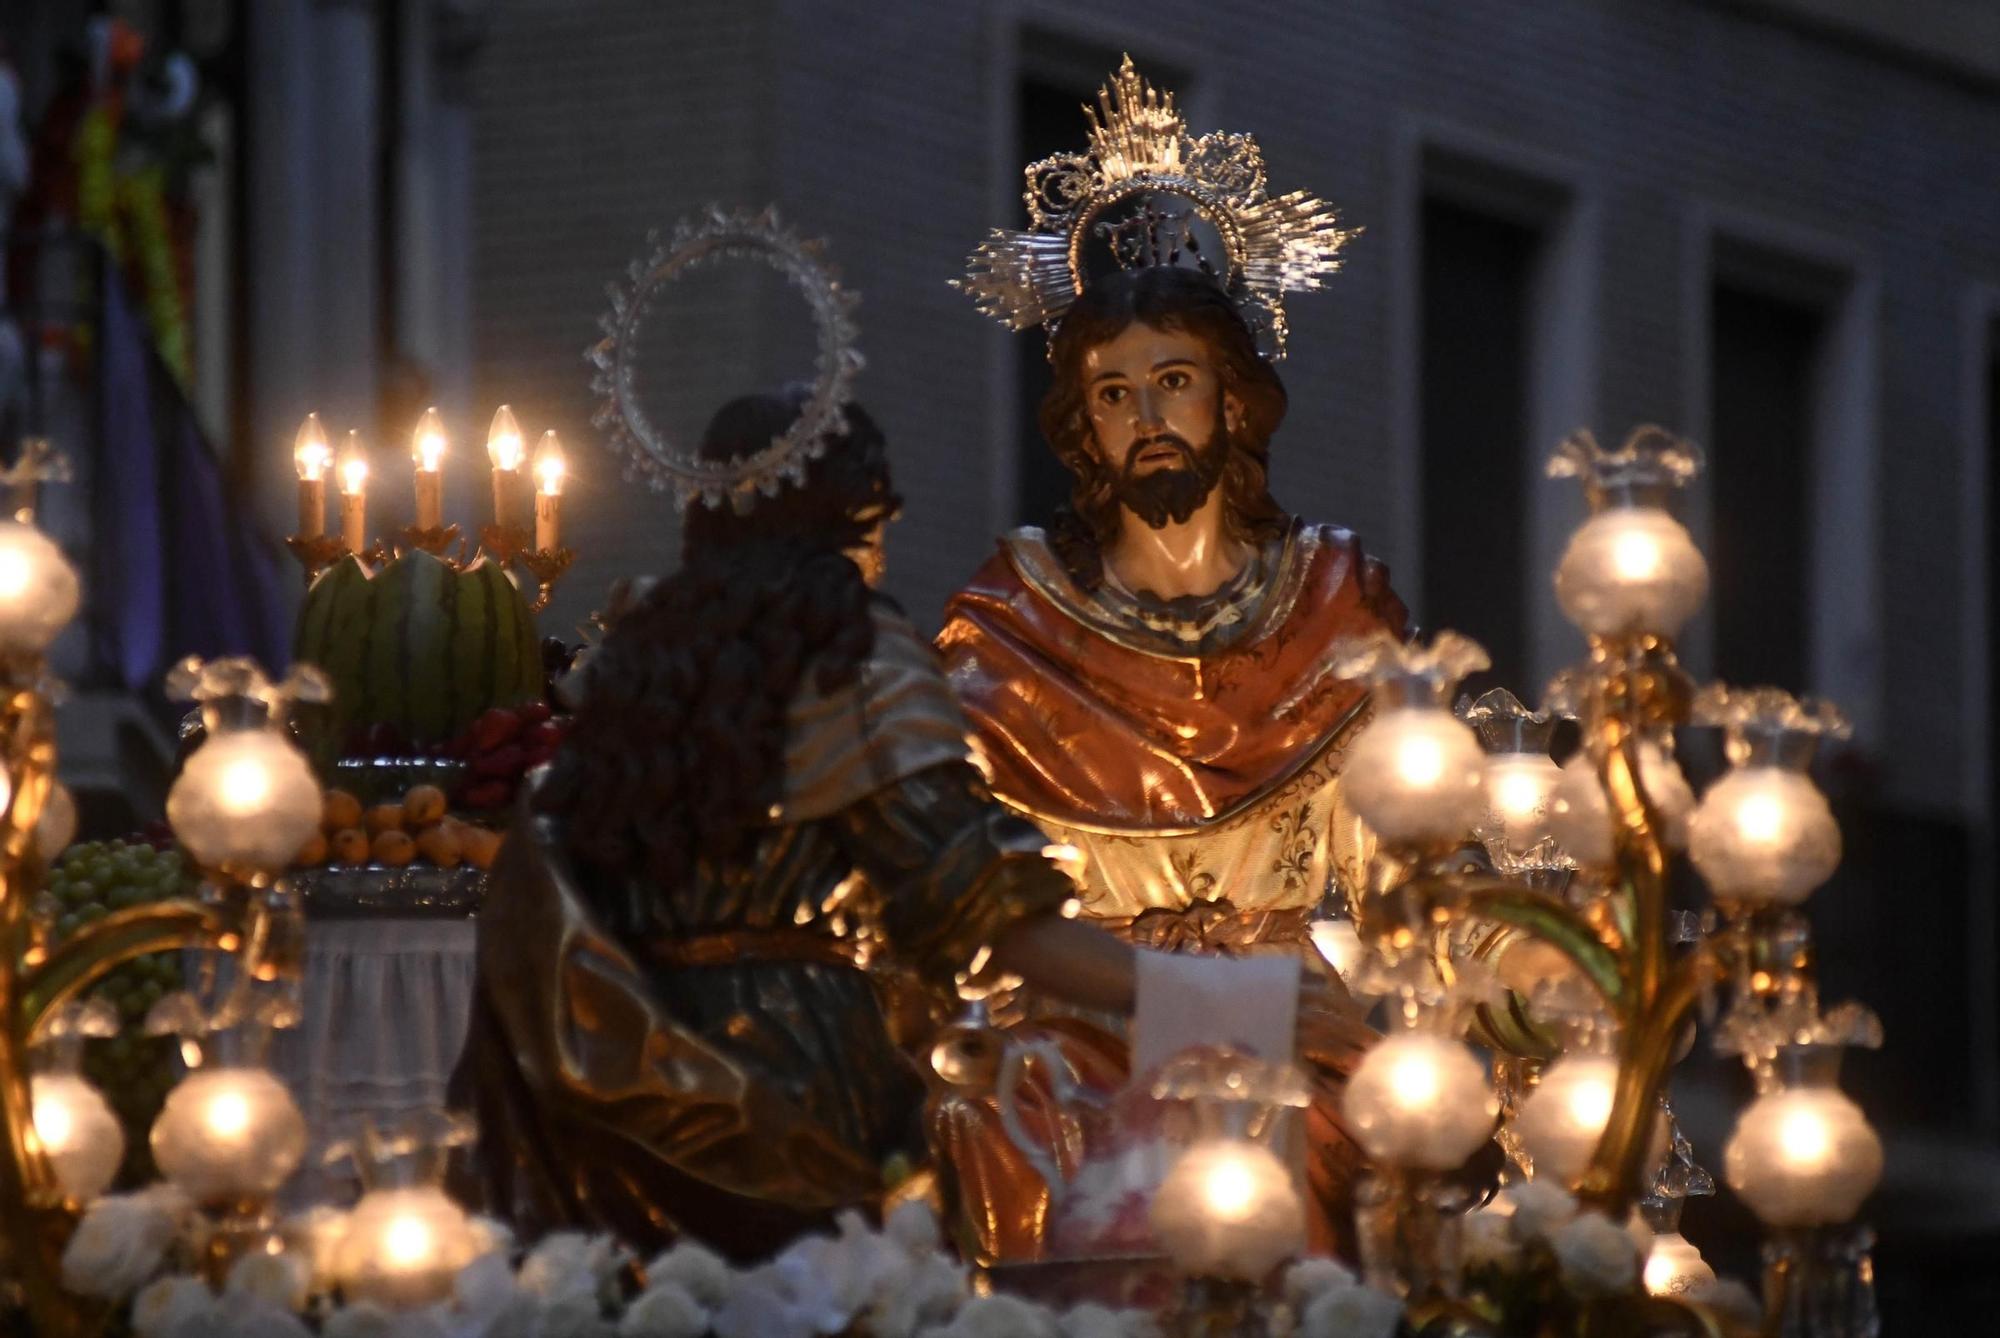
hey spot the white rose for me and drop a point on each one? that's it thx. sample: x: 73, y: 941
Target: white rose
x: 1487, y: 1240
x: 363, y: 1319
x: 569, y: 1263
x: 1096, y: 1321
x: 166, y: 1305
x: 518, y: 1318
x: 1001, y: 1316
x: 667, y: 1310
x: 576, y: 1315
x: 914, y: 1226
x: 696, y: 1269
x: 1596, y: 1254
x: 931, y: 1294
x: 281, y: 1279
x: 121, y: 1242
x: 1351, y: 1312
x: 484, y: 1288
x: 761, y: 1306
x: 1540, y: 1206
x: 246, y: 1316
x: 1309, y: 1277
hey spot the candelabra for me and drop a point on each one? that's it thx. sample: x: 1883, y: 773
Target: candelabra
x: 524, y: 534
x: 1569, y: 908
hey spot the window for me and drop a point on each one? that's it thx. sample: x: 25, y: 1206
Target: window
x: 1477, y: 274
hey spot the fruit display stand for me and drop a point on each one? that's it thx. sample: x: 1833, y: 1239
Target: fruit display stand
x: 441, y: 706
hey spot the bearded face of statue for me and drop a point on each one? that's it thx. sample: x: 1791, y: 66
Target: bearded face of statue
x: 1160, y: 420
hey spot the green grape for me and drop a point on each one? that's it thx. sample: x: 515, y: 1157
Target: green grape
x: 67, y: 925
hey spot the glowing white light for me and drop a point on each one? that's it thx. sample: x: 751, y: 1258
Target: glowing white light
x: 311, y: 452
x: 1590, y: 1102
x: 245, y: 785
x: 1635, y: 556
x: 55, y: 1125
x: 15, y: 573
x: 1420, y: 762
x: 1520, y: 796
x: 1804, y: 1138
x: 1761, y: 818
x: 427, y: 445
x: 409, y: 1242
x: 1419, y: 1100
x: 228, y: 1114
x: 1230, y: 1191
x: 504, y: 446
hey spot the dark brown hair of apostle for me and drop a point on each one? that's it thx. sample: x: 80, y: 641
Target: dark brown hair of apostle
x: 1167, y: 298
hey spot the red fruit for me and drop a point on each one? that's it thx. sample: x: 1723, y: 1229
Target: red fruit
x: 542, y: 738
x: 505, y: 763
x: 492, y: 729
x: 534, y: 713
x: 487, y: 795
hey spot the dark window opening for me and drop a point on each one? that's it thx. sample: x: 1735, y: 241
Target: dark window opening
x: 1477, y: 322
x: 1049, y: 120
x: 1765, y: 353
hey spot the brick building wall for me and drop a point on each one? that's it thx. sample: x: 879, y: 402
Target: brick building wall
x: 885, y: 127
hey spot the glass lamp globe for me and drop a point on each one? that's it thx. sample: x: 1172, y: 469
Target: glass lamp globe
x: 1674, y: 1267
x: 1417, y: 774
x: 1630, y: 570
x: 38, y: 589
x: 1229, y: 1208
x: 1519, y: 787
x: 1563, y: 1119
x: 1764, y: 835
x: 79, y: 1133
x: 1420, y: 1101
x: 246, y: 799
x: 229, y: 1133
x: 1580, y: 815
x: 404, y: 1246
x: 1803, y: 1157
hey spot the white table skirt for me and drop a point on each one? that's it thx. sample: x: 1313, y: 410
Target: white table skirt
x: 386, y: 1006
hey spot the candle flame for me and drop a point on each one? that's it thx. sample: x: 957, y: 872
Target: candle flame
x: 311, y: 452
x: 503, y: 440
x: 427, y: 444
x: 353, y: 465
x: 549, y: 464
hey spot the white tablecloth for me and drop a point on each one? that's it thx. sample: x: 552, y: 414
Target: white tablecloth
x: 386, y: 1005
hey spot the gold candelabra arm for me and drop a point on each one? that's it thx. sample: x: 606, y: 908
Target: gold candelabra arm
x: 97, y: 949
x: 1647, y: 1049
x: 316, y: 552
x: 436, y: 540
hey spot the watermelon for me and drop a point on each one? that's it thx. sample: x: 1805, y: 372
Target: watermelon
x: 418, y: 646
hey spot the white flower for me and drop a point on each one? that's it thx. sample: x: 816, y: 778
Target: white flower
x: 484, y: 1288
x: 576, y: 1315
x: 1309, y: 1277
x: 246, y: 1316
x: 762, y: 1307
x: 1001, y: 1316
x: 520, y: 1317
x: 490, y: 1235
x: 1351, y: 1312
x: 363, y: 1319
x: 1596, y: 1254
x: 170, y: 1303
x: 121, y: 1242
x: 569, y: 1263
x: 1487, y: 1240
x: 696, y: 1269
x: 1096, y: 1321
x: 1728, y: 1297
x: 1540, y: 1206
x: 281, y: 1279
x: 667, y: 1310
x: 914, y: 1226
x: 930, y: 1294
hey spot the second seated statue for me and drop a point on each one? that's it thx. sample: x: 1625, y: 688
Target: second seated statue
x: 1149, y: 681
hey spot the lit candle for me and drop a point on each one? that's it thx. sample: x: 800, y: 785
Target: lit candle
x: 403, y: 1247
x: 548, y: 492
x: 81, y: 1137
x: 311, y: 454
x: 506, y: 449
x: 229, y: 1133
x: 1229, y: 1209
x: 427, y: 447
x: 352, y: 468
